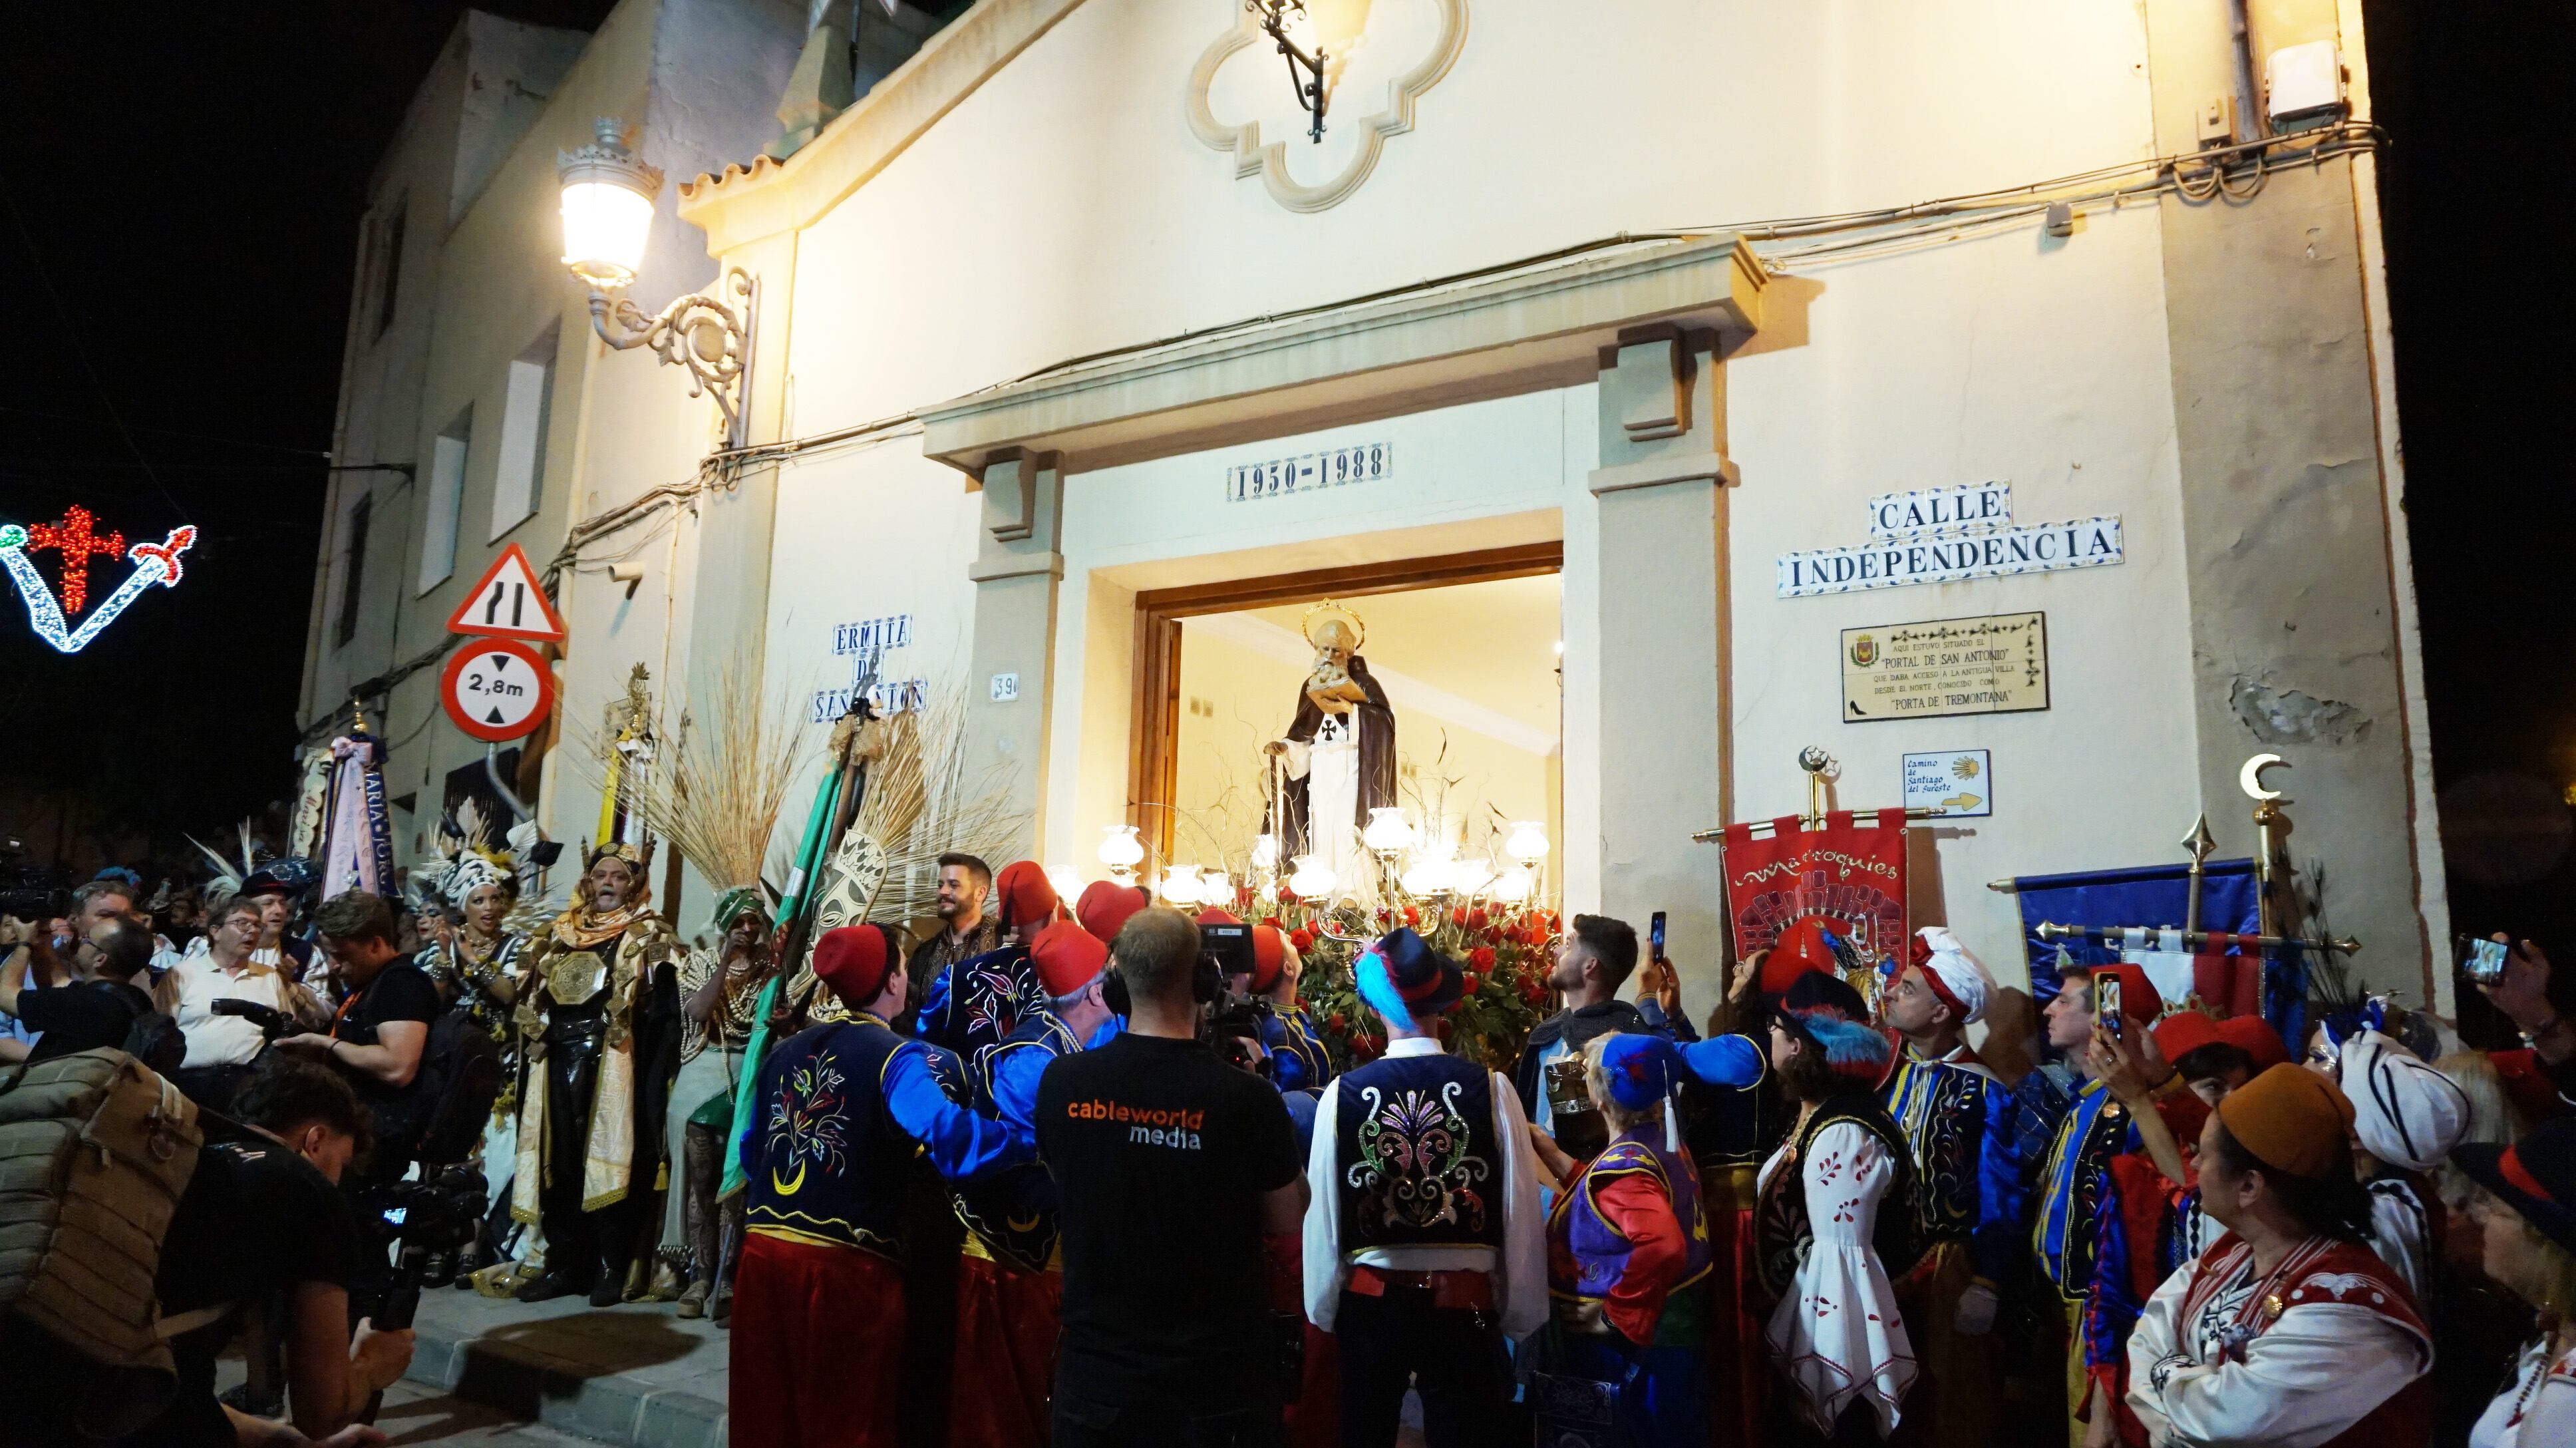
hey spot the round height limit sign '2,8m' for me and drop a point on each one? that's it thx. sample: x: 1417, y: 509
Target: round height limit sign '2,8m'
x: 497, y: 689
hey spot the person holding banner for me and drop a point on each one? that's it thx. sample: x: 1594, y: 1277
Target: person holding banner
x: 2074, y: 1181
x: 1957, y: 1119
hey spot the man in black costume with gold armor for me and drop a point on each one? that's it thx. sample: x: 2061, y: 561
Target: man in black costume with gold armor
x: 597, y: 1021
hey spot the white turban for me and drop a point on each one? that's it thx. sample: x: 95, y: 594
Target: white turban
x: 1962, y: 982
x: 2406, y: 1113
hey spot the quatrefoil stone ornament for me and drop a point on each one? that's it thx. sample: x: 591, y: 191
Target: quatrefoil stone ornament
x: 1382, y: 56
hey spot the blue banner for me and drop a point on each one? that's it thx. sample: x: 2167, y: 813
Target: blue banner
x: 2154, y: 896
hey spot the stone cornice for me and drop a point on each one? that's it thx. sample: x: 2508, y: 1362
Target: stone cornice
x: 747, y: 203
x: 1522, y: 331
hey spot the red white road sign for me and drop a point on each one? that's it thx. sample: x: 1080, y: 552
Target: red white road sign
x: 497, y: 689
x: 509, y: 603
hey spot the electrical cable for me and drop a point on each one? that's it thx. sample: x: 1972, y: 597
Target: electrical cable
x: 2198, y: 177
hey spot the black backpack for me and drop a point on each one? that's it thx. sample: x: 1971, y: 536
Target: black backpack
x: 460, y: 1078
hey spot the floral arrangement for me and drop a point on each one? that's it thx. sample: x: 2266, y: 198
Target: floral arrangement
x: 1506, y: 951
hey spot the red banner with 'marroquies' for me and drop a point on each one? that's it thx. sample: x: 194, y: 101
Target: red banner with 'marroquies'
x: 1850, y: 873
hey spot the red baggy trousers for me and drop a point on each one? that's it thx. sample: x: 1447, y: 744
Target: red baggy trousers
x: 817, y: 1353
x: 1006, y: 1331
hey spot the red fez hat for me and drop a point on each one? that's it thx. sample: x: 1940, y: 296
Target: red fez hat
x: 1028, y: 898
x: 2138, y: 998
x: 2255, y: 1037
x: 1269, y: 956
x: 854, y: 961
x: 1067, y: 957
x: 1214, y: 916
x: 1105, y: 906
x: 2183, y: 1032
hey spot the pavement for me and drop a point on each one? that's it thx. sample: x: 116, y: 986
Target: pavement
x: 415, y: 1413
x: 628, y: 1375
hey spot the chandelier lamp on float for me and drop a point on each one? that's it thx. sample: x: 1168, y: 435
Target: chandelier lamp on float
x: 77, y: 540
x: 609, y: 196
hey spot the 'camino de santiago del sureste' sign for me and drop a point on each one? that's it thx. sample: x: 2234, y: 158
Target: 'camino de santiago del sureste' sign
x: 1945, y: 535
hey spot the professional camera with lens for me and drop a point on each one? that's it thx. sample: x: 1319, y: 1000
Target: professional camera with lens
x: 430, y: 1221
x: 34, y: 893
x: 1234, y: 1023
x: 271, y: 1021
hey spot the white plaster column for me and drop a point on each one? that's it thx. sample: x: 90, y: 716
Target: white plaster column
x: 1662, y: 491
x: 1018, y: 571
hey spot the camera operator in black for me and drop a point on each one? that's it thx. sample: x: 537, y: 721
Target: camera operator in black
x: 1171, y: 1167
x: 382, y: 1029
x: 262, y: 1230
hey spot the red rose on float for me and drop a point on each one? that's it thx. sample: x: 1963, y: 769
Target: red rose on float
x: 1302, y: 938
x: 1471, y: 982
x: 1337, y: 1023
x: 1474, y: 919
x: 1273, y: 922
x: 1412, y: 916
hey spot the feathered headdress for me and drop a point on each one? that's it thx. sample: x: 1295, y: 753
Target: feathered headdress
x: 229, y: 874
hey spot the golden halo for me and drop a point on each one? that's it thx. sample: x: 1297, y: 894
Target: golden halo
x: 1329, y: 610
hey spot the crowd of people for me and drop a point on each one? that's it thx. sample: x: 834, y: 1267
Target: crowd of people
x: 1084, y: 1172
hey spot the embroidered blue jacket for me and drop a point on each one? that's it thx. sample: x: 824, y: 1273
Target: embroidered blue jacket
x: 1960, y: 1122
x: 840, y: 1109
x: 974, y: 1003
x: 1298, y: 1061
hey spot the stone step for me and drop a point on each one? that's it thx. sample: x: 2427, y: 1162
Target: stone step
x: 634, y: 1374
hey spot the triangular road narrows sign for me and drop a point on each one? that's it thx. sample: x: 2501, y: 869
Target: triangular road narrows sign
x: 509, y: 603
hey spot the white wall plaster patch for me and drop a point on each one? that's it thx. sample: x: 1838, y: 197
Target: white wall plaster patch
x: 1244, y: 44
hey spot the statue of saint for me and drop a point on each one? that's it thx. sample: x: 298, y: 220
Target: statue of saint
x: 1337, y: 761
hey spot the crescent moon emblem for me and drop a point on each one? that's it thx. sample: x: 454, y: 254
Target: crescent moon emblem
x: 2250, y: 778
x: 788, y: 1188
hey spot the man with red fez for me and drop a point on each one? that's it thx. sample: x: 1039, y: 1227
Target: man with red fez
x: 1837, y: 1223
x: 1106, y: 905
x: 1010, y: 1274
x: 1959, y: 1124
x: 976, y: 1002
x: 2079, y: 1231
x: 1298, y: 1060
x: 2288, y: 1330
x: 1424, y: 1247
x: 841, y: 1110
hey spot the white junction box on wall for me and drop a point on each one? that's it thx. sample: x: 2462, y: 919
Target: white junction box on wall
x: 2303, y: 84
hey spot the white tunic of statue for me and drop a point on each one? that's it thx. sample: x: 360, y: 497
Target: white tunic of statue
x: 1330, y: 765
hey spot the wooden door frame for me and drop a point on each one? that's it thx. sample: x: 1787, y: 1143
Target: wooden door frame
x: 1154, y: 721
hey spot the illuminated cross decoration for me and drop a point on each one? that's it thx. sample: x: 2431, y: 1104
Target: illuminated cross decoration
x: 154, y: 563
x: 73, y: 538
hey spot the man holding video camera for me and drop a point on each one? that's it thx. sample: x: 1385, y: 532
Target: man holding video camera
x: 1155, y: 1141
x: 382, y: 1030
x: 225, y: 1039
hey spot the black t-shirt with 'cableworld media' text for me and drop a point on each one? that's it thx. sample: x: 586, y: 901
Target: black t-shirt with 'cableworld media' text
x: 1161, y: 1154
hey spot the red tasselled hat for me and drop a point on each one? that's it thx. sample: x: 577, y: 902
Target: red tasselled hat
x: 1105, y: 906
x: 1028, y: 897
x: 854, y: 961
x: 1801, y: 948
x: 1067, y: 958
x: 1269, y: 956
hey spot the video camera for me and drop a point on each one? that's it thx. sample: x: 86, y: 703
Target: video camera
x: 1225, y: 952
x: 430, y: 1221
x: 34, y: 894
x: 271, y: 1021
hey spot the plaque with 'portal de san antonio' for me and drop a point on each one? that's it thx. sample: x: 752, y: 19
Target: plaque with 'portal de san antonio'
x: 1995, y: 664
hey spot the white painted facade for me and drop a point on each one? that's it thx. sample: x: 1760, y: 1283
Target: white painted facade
x: 944, y: 266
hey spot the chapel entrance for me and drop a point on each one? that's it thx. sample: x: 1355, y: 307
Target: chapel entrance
x: 1449, y: 671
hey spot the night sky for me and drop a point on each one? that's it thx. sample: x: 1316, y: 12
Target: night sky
x: 183, y: 186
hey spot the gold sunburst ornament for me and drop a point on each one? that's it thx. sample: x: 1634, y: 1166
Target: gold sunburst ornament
x: 1323, y: 615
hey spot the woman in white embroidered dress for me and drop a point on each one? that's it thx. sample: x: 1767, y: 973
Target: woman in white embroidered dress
x: 2289, y: 1332
x: 2525, y: 1217
x: 1836, y: 1335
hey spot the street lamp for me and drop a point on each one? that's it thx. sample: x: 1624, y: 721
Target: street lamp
x: 608, y: 195
x: 1311, y: 33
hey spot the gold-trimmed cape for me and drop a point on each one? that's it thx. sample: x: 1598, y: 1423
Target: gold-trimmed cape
x: 608, y: 1153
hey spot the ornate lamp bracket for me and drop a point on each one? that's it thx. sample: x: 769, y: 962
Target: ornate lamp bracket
x: 708, y: 335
